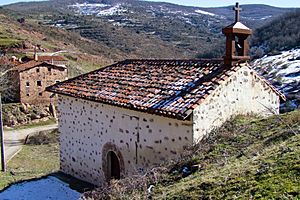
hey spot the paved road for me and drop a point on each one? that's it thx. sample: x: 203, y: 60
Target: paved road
x: 14, y: 139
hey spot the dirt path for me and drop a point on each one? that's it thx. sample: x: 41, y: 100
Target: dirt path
x: 14, y: 139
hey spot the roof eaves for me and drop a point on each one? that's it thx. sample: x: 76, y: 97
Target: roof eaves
x: 39, y: 64
x: 179, y: 116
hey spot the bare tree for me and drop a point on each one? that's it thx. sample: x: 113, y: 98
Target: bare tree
x: 7, y: 86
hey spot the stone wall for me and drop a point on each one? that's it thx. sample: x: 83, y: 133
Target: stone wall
x: 89, y: 130
x: 34, y: 81
x: 243, y: 93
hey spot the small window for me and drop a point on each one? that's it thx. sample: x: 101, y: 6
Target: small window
x: 40, y: 94
x: 38, y: 70
x: 27, y: 95
x: 27, y: 84
x: 57, y: 81
x: 39, y: 83
x: 49, y: 69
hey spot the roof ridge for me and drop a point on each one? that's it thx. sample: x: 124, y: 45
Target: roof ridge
x: 31, y: 64
x: 171, y: 61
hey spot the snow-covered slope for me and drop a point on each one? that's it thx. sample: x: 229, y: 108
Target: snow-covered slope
x: 122, y: 9
x: 98, y: 9
x: 283, y: 71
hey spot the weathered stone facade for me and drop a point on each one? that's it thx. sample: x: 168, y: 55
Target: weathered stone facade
x: 90, y: 130
x: 34, y: 81
x: 243, y: 93
x: 29, y: 82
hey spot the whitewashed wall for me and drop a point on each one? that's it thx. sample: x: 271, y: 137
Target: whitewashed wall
x: 243, y: 93
x: 142, y: 139
x: 85, y: 127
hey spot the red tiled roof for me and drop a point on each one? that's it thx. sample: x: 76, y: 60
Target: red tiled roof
x: 50, y: 58
x: 32, y: 64
x: 166, y: 87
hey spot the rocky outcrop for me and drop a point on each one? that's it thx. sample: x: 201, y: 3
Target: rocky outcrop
x: 16, y: 114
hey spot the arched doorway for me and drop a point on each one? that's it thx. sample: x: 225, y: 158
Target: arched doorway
x: 112, y: 162
x: 113, y: 166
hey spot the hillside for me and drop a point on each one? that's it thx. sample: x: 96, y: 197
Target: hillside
x: 279, y: 34
x: 248, y: 158
x: 91, y: 34
x: 19, y: 39
x: 140, y: 29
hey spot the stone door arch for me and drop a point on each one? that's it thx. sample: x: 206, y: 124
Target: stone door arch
x: 112, y: 162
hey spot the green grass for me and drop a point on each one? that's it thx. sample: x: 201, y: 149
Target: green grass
x: 33, y: 125
x: 33, y: 161
x: 248, y: 158
x: 36, y: 124
x: 9, y: 42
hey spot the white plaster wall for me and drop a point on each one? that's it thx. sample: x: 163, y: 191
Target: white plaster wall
x: 86, y: 126
x: 243, y: 93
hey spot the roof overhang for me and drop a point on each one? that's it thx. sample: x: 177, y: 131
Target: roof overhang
x: 237, y: 28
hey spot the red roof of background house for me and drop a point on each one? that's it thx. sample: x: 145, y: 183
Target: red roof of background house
x: 44, y: 58
x: 32, y: 64
x: 171, y: 88
x: 50, y: 58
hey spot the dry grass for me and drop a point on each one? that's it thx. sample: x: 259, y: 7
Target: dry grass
x: 33, y: 161
x: 247, y: 158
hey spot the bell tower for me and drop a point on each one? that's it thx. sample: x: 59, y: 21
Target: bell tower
x: 237, y: 48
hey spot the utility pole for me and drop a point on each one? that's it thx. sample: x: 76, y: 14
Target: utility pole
x: 3, y: 164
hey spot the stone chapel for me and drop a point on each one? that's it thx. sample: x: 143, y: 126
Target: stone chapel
x: 134, y: 114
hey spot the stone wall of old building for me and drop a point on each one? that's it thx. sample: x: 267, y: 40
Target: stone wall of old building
x: 243, y: 93
x: 34, y: 81
x: 89, y: 131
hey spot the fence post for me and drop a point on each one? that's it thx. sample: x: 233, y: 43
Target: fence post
x: 3, y: 164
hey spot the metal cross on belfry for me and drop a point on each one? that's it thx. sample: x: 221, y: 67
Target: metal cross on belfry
x: 237, y: 10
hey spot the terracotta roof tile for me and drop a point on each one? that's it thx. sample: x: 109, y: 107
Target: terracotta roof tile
x: 165, y: 87
x: 27, y: 65
x: 50, y: 58
x: 32, y: 64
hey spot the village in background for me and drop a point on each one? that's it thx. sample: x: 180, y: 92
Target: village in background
x: 159, y: 100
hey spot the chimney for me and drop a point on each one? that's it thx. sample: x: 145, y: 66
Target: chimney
x: 13, y: 59
x: 36, y: 58
x: 237, y: 48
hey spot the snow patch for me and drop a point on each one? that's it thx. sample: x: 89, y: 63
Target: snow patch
x: 48, y: 188
x: 115, y: 10
x: 205, y: 13
x: 266, y: 17
x: 92, y: 5
x: 98, y: 9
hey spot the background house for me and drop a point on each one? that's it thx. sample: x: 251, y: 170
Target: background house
x: 30, y: 80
